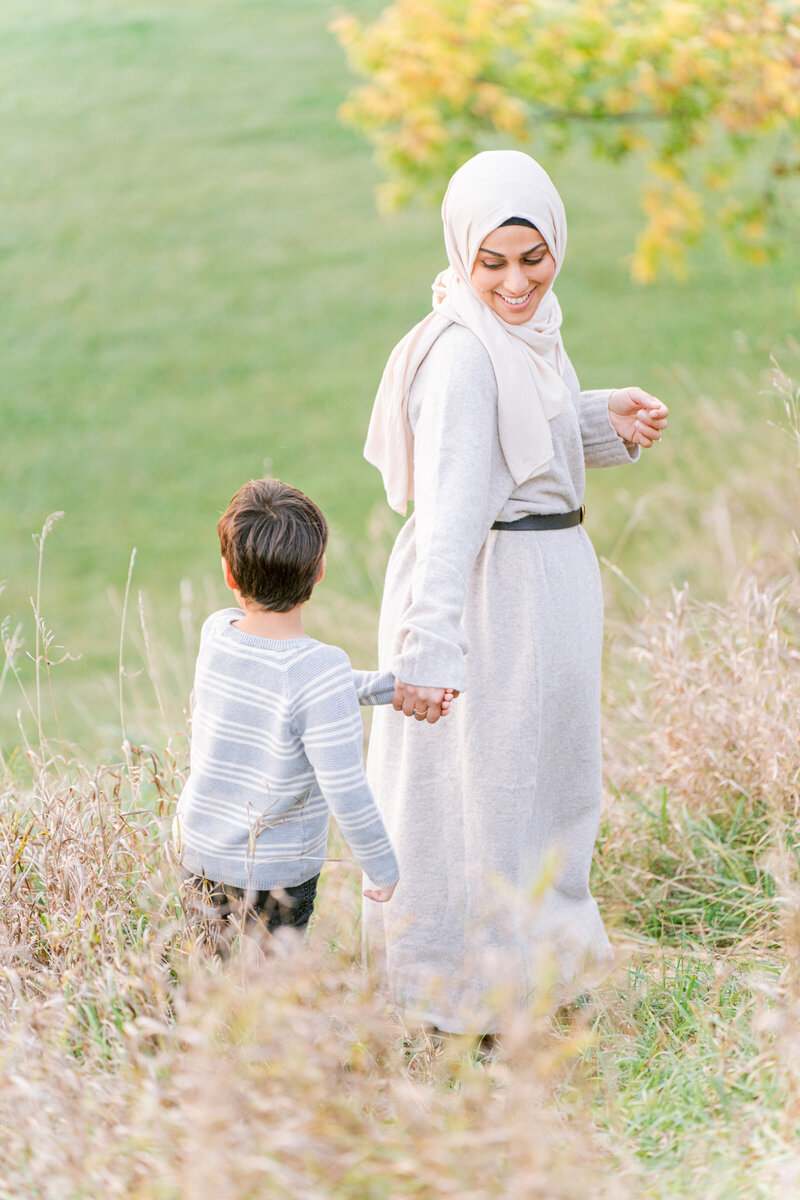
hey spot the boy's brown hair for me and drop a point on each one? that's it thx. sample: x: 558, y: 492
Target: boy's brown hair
x: 273, y: 539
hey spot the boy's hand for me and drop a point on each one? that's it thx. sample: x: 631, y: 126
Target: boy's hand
x: 380, y: 895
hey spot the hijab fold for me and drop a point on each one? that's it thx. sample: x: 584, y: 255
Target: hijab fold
x: 527, y: 359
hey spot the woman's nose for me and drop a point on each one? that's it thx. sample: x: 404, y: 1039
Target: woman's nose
x: 516, y: 279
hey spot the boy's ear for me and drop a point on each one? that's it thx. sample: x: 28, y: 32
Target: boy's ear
x: 227, y: 575
x: 321, y: 575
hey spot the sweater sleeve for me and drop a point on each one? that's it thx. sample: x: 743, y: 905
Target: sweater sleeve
x: 326, y: 718
x: 374, y: 687
x: 602, y: 445
x: 455, y: 445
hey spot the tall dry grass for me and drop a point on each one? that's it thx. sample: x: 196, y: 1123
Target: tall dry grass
x: 697, y: 862
x: 128, y: 1068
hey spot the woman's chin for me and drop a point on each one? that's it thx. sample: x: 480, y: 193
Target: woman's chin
x: 517, y: 318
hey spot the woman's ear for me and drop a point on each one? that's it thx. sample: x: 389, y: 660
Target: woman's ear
x: 227, y: 575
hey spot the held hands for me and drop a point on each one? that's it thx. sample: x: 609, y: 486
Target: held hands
x: 422, y: 703
x: 637, y: 416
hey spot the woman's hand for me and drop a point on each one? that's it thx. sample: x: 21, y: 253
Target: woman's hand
x: 423, y: 703
x: 637, y: 416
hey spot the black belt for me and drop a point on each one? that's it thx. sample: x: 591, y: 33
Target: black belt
x: 544, y: 520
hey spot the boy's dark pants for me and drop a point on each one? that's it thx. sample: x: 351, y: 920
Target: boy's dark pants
x: 216, y: 913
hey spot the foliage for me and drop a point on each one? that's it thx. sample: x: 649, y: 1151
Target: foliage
x: 660, y: 80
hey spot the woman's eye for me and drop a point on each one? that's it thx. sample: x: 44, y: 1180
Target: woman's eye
x: 529, y: 262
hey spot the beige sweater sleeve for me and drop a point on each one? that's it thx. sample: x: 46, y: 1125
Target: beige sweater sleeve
x: 460, y: 484
x: 602, y: 446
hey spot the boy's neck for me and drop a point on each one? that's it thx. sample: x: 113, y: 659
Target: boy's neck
x: 279, y: 626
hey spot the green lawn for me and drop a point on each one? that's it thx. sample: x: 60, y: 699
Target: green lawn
x: 196, y: 288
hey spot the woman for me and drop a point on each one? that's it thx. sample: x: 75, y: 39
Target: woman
x: 493, y: 589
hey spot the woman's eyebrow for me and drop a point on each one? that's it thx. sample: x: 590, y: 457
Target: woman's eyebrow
x: 525, y: 253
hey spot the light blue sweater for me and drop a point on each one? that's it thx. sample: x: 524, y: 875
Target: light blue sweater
x: 276, y: 745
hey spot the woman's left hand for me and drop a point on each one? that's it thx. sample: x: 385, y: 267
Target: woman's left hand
x: 637, y: 416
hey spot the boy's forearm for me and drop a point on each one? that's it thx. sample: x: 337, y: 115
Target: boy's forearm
x: 331, y: 733
x: 374, y: 854
x: 332, y: 737
x: 374, y: 687
x: 362, y: 827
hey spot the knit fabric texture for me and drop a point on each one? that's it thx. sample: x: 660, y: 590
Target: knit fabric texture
x: 509, y: 786
x: 277, y: 744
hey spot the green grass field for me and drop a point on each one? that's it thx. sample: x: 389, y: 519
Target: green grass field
x: 196, y: 289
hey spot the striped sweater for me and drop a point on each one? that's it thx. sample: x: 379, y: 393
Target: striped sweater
x: 276, y: 745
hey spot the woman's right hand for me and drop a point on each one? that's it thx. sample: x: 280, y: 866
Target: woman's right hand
x: 422, y: 703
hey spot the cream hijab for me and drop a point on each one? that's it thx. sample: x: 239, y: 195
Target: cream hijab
x: 527, y: 359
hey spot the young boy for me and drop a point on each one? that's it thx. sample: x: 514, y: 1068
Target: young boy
x: 276, y: 732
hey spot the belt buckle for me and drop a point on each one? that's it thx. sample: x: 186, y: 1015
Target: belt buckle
x: 583, y: 513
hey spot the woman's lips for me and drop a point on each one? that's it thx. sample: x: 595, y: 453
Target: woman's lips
x: 516, y: 301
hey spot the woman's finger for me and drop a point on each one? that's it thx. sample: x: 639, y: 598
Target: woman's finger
x: 645, y: 401
x: 652, y: 405
x: 648, y: 431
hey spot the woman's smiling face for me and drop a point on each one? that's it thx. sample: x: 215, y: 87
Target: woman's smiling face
x: 512, y: 272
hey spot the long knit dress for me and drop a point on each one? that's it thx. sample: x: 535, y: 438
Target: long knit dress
x: 494, y: 810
